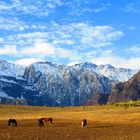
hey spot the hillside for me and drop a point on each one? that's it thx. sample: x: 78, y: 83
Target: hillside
x: 127, y: 91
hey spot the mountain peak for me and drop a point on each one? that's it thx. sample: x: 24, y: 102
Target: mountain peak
x: 108, y: 66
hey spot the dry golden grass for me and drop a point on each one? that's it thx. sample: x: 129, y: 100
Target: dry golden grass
x: 104, y: 123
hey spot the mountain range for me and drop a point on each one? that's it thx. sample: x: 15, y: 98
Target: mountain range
x: 45, y: 83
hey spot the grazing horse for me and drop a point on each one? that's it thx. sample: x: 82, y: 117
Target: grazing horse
x: 84, y: 123
x: 41, y: 123
x: 12, y: 122
x: 47, y: 120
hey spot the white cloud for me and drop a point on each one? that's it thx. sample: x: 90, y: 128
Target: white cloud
x: 132, y: 28
x: 8, y: 50
x: 74, y: 34
x: 61, y: 52
x: 6, y: 6
x: 109, y: 57
x: 72, y: 55
x: 66, y: 42
x: 35, y: 35
x: 75, y: 7
x: 39, y: 49
x: 132, y: 63
x: 17, y: 7
x: 133, y: 7
x: 85, y: 34
x: 134, y: 49
x: 1, y: 40
x: 102, y: 7
x: 98, y: 36
x: 11, y: 23
x: 28, y: 61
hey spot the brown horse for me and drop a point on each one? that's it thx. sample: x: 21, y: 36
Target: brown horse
x: 84, y: 123
x: 48, y: 120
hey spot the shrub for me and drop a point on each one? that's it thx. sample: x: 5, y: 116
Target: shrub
x: 127, y: 104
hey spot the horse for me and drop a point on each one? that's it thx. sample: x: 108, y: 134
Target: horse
x: 12, y: 122
x: 48, y: 120
x: 41, y: 123
x: 84, y: 123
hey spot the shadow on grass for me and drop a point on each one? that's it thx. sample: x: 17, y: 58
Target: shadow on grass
x: 101, y: 126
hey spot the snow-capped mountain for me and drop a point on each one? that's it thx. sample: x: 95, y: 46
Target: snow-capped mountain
x: 63, y: 85
x: 44, y: 83
x: 13, y: 88
x: 11, y: 69
x: 115, y: 74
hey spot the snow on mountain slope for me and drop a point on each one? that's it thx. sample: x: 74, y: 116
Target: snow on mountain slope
x: 11, y: 69
x: 7, y: 80
x: 3, y: 94
x: 46, y: 68
x: 116, y: 74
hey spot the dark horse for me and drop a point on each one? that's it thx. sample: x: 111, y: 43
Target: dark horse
x: 84, y: 123
x: 12, y: 122
x: 41, y: 123
x: 47, y: 120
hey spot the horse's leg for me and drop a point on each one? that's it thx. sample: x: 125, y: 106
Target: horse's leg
x: 9, y: 123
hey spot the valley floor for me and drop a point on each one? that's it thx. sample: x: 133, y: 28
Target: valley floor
x: 104, y: 123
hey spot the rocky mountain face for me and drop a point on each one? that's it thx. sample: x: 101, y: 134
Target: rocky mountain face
x: 126, y: 91
x: 16, y: 90
x: 62, y: 85
x: 44, y: 83
x: 96, y: 99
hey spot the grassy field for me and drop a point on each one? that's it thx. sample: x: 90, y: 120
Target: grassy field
x: 104, y: 123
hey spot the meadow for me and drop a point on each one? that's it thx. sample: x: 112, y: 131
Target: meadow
x: 107, y: 122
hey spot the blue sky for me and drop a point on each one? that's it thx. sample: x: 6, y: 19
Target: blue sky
x: 71, y: 31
